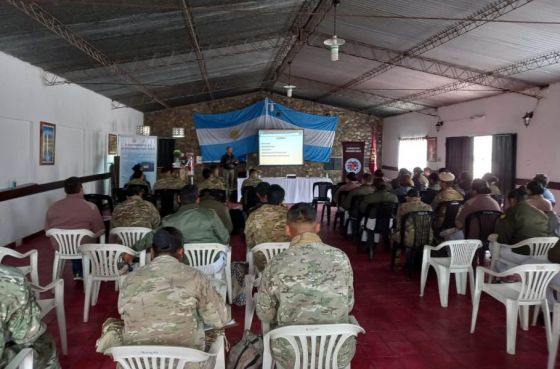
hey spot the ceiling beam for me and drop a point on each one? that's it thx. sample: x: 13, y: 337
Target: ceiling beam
x: 193, y: 36
x: 473, y: 21
x: 521, y: 66
x: 37, y: 13
x: 303, y: 26
x: 426, y: 65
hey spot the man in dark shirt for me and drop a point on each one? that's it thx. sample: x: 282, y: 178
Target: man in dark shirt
x: 228, y: 164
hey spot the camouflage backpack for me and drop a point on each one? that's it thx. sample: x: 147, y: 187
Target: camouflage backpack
x: 247, y: 353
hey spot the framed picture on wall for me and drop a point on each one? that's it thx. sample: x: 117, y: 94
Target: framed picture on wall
x: 112, y: 144
x: 47, y: 144
x: 432, y: 149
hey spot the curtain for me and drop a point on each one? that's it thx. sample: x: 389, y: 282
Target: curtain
x: 504, y: 154
x: 459, y: 155
x: 165, y: 148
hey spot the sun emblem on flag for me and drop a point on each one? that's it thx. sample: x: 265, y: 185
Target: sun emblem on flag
x: 234, y: 133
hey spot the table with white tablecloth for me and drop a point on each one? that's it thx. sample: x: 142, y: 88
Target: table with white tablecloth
x: 299, y: 189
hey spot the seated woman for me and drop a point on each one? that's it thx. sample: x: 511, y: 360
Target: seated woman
x: 535, y: 191
x: 405, y: 185
x: 480, y: 200
x: 492, y: 183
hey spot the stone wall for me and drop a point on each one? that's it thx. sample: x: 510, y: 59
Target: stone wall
x: 352, y: 126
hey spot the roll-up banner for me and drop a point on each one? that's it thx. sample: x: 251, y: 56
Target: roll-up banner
x: 137, y: 150
x: 353, y: 158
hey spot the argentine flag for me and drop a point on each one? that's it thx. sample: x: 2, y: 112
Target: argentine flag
x: 239, y: 129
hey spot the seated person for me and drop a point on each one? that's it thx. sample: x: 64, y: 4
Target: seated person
x: 135, y: 212
x: 20, y: 322
x: 364, y: 189
x: 260, y: 192
x: 535, y: 197
x: 405, y: 185
x: 433, y: 188
x: 480, y: 200
x: 350, y: 183
x: 379, y: 174
x: 396, y: 181
x: 427, y: 172
x: 310, y: 283
x: 464, y: 185
x: 520, y: 222
x: 492, y: 183
x: 212, y: 179
x: 166, y: 302
x: 267, y: 223
x: 167, y: 181
x: 547, y: 194
x: 381, y: 194
x: 253, y: 180
x: 208, y: 201
x: 420, y: 181
x: 447, y: 193
x: 73, y: 212
x: 138, y: 178
x: 412, y: 204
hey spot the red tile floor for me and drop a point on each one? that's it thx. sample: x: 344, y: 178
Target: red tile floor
x: 403, y: 331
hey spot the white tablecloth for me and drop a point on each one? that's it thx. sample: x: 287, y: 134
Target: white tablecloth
x: 298, y: 189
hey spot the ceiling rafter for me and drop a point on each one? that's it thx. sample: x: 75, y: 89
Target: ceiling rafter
x: 37, y: 13
x: 521, y: 66
x: 473, y: 21
x: 193, y: 37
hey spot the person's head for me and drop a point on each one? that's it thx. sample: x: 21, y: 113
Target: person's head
x: 72, y: 185
x: 446, y: 180
x: 206, y: 173
x: 516, y: 196
x: 166, y: 171
x: 262, y: 190
x: 215, y: 171
x: 379, y: 184
x: 379, y: 174
x: 443, y: 170
x: 412, y: 195
x: 417, y: 171
x: 138, y: 168
x: 188, y: 195
x: 275, y: 195
x: 535, y: 188
x: 229, y: 150
x: 137, y: 175
x: 302, y: 219
x: 465, y: 177
x: 351, y: 177
x: 542, y: 179
x: 406, y: 181
x: 480, y: 187
x: 134, y: 190
x: 168, y: 241
x: 253, y: 173
x: 403, y: 172
x: 433, y: 178
x: 427, y: 171
x: 490, y: 178
x: 208, y: 193
x: 367, y: 179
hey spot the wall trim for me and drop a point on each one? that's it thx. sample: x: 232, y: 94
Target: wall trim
x: 388, y: 167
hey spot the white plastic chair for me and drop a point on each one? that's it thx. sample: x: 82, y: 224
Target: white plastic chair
x: 30, y: 269
x: 57, y: 302
x: 269, y: 250
x: 315, y: 346
x: 129, y: 236
x: 518, y: 296
x: 553, y: 347
x: 166, y: 357
x: 200, y: 255
x: 23, y: 360
x: 459, y: 263
x: 102, y: 263
x: 68, y: 241
x: 538, y: 247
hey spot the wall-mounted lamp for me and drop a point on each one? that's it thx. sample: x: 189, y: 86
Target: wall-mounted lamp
x: 143, y: 130
x: 439, y: 125
x: 178, y: 132
x: 527, y: 118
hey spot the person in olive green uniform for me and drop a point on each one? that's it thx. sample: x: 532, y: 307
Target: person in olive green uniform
x: 208, y: 201
x: 381, y: 194
x: 412, y: 204
x: 520, y: 222
x: 447, y: 193
x: 365, y: 189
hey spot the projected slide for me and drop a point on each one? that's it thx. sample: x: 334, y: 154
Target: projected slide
x: 281, y: 147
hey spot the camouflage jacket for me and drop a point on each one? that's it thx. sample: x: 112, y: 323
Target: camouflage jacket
x: 168, y: 303
x: 213, y: 183
x: 266, y: 224
x: 251, y: 182
x: 310, y: 283
x: 20, y: 322
x: 169, y: 183
x: 446, y: 195
x: 135, y: 212
x: 405, y: 208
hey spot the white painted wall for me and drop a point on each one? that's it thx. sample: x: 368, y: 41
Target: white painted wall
x: 82, y: 117
x: 538, y: 146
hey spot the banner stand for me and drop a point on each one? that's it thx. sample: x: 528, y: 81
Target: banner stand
x: 353, y: 159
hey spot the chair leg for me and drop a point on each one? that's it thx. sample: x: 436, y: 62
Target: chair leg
x: 511, y: 324
x: 547, y: 323
x: 475, y: 303
x: 461, y: 283
x: 471, y: 282
x: 56, y: 266
x: 443, y: 286
x: 536, y: 315
x: 328, y: 214
x: 424, y: 275
x: 95, y: 296
x: 524, y: 317
x: 553, y: 345
x: 89, y: 286
x: 61, y: 318
x: 249, y: 303
x: 323, y: 213
x: 228, y: 281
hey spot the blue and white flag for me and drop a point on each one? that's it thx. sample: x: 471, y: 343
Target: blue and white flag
x: 240, y: 128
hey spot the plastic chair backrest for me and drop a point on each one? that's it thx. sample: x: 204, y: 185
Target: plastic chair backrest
x: 486, y: 220
x: 105, y: 258
x: 462, y: 252
x: 100, y: 201
x: 422, y: 224
x: 30, y: 268
x: 315, y: 346
x: 69, y: 240
x: 539, y: 246
x: 341, y: 197
x: 451, y: 209
x: 534, y: 280
x: 355, y: 204
x: 157, y: 357
x: 201, y: 254
x: 23, y: 360
x: 129, y: 236
x: 270, y: 249
x: 167, y: 200
x: 322, y: 190
x: 382, y: 212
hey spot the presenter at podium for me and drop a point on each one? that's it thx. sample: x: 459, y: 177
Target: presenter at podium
x: 228, y: 164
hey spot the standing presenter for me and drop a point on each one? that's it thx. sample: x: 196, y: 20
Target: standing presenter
x: 228, y: 164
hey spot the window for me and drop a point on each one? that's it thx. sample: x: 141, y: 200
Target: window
x: 482, y: 156
x: 412, y: 153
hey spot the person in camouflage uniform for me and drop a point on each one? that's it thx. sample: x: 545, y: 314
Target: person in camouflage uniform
x: 135, y: 212
x: 168, y: 303
x: 365, y: 189
x: 20, y: 322
x: 167, y: 181
x: 412, y: 204
x: 447, y: 193
x: 138, y: 178
x: 212, y: 179
x: 253, y: 179
x: 310, y: 283
x: 267, y: 223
